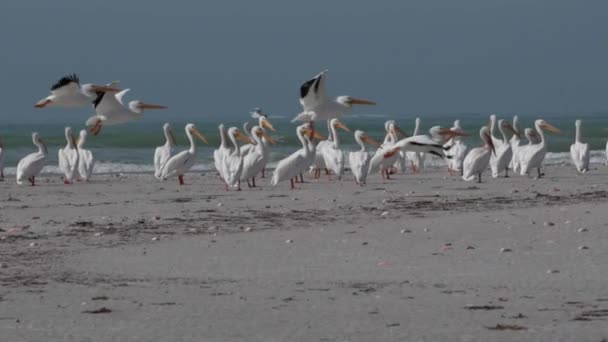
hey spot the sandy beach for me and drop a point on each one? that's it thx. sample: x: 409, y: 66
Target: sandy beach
x: 418, y: 258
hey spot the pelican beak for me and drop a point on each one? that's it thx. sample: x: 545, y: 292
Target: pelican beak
x: 267, y: 124
x: 106, y: 88
x: 342, y: 126
x: 199, y: 135
x: 46, y: 151
x: 550, y: 128
x: 512, y: 130
x: 267, y: 137
x: 242, y: 137
x: 354, y: 100
x: 370, y: 141
x: 449, y: 133
x: 172, y: 137
x: 314, y: 134
x: 74, y: 141
x: 402, y: 132
x: 151, y: 106
x: 42, y: 103
x: 490, y: 142
x: 391, y: 153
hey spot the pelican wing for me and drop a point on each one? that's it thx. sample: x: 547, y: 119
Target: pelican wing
x: 67, y: 85
x: 312, y: 92
x: 107, y: 103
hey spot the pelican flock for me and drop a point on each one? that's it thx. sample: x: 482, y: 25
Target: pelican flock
x: 243, y: 156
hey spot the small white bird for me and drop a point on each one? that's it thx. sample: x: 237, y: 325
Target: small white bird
x: 68, y: 92
x: 478, y: 158
x: 86, y: 161
x: 318, y: 106
x: 359, y: 160
x: 164, y: 152
x: 30, y: 166
x: 68, y: 158
x: 110, y: 110
x: 2, y: 152
x: 579, y: 151
x: 183, y: 161
x: 532, y: 156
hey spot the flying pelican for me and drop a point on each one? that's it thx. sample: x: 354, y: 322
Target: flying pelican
x: 255, y: 160
x: 232, y: 165
x: 30, y: 166
x: 416, y: 158
x: 503, y: 151
x: 333, y: 156
x: 515, y: 144
x: 163, y: 153
x: 1, y: 160
x: 181, y: 162
x: 318, y: 106
x: 457, y: 150
x: 294, y: 164
x: 579, y: 151
x: 68, y: 158
x: 86, y: 160
x: 110, y: 110
x: 477, y: 160
x: 67, y: 92
x: 532, y: 156
x: 359, y: 160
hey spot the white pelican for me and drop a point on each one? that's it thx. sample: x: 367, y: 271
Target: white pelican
x: 222, y: 151
x: 359, y: 160
x: 68, y: 158
x: 164, y: 152
x: 532, y: 136
x: 31, y: 165
x: 532, y: 156
x: 416, y: 158
x: 381, y: 161
x: 318, y: 162
x: 477, y: 160
x: 263, y: 123
x: 232, y: 165
x: 457, y: 150
x: 86, y: 160
x: 1, y: 160
x: 297, y: 162
x: 333, y: 156
x: 515, y: 144
x: 110, y: 110
x: 183, y: 161
x: 503, y: 151
x: 68, y: 92
x: 579, y: 151
x: 255, y: 160
x: 318, y: 106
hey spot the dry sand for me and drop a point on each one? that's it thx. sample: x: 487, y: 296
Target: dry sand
x: 418, y: 258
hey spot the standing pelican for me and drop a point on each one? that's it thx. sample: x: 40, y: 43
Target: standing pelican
x: 359, y: 160
x: 164, y: 152
x: 67, y: 92
x: 318, y: 106
x: 333, y: 156
x: 86, y: 160
x: 68, y: 158
x: 503, y: 151
x: 255, y: 160
x: 263, y: 123
x: 110, y: 110
x: 515, y: 144
x: 532, y: 156
x: 457, y: 150
x: 579, y: 151
x: 222, y: 151
x: 232, y: 166
x: 297, y: 162
x: 30, y: 166
x: 380, y: 161
x: 1, y: 160
x: 183, y: 161
x: 477, y: 160
x: 416, y: 158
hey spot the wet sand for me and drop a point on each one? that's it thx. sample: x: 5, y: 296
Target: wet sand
x: 420, y: 257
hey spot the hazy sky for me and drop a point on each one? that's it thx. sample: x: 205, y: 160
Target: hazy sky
x: 218, y: 58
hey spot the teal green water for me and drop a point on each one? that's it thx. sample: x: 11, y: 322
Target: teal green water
x: 134, y: 143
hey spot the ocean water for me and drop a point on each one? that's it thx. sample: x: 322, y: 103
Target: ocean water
x: 130, y: 147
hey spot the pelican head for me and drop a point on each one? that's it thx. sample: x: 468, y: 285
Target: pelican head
x: 234, y: 132
x: 37, y: 140
x: 338, y: 124
x: 364, y: 138
x: 69, y: 136
x: 507, y: 127
x: 265, y: 123
x: 349, y: 101
x: 260, y: 132
x: 444, y: 134
x: 486, y: 137
x: 169, y: 134
x: 192, y: 130
x: 82, y: 136
x: 138, y: 106
x: 543, y: 125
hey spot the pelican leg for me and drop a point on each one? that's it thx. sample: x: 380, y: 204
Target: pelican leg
x: 382, y: 173
x: 507, y: 173
x: 388, y: 176
x: 301, y: 178
x: 33, y: 180
x: 253, y: 181
x: 326, y: 171
x: 414, y: 169
x: 1, y: 175
x: 248, y: 184
x: 539, y: 174
x: 239, y: 186
x: 181, y: 179
x: 292, y: 184
x: 263, y: 170
x: 226, y: 186
x: 479, y: 177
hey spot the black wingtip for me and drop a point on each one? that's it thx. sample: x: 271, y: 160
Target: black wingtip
x: 65, y: 80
